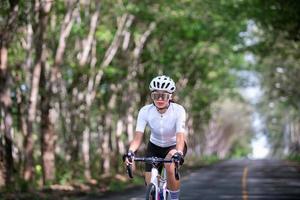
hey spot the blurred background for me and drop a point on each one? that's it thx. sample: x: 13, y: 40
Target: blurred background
x: 74, y: 74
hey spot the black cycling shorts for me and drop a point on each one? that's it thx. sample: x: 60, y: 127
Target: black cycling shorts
x: 160, y: 152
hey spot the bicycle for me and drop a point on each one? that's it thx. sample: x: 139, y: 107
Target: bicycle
x: 157, y: 188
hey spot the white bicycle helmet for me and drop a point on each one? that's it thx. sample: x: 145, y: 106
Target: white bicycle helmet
x: 163, y: 83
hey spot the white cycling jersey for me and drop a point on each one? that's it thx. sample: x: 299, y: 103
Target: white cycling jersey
x: 164, y: 127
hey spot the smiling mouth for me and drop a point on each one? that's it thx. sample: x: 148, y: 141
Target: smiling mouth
x: 160, y: 105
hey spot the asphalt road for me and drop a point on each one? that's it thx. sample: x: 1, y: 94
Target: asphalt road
x: 234, y: 180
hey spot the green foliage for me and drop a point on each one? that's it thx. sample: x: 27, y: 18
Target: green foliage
x: 103, y: 34
x: 18, y: 186
x: 200, y: 44
x: 239, y: 151
x: 208, y: 160
x: 63, y: 175
x: 112, y: 72
x: 22, y: 186
x: 78, y: 30
x: 294, y: 157
x: 274, y: 41
x: 118, y: 185
x: 38, y: 172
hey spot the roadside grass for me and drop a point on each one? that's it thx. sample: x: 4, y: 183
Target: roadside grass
x: 117, y: 185
x: 194, y: 161
x: 294, y: 157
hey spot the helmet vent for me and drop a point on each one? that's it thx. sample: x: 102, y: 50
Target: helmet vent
x: 172, y: 88
x: 154, y: 83
x: 167, y: 85
x: 158, y: 85
x: 162, y: 85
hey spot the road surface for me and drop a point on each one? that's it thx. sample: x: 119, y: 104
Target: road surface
x: 234, y: 180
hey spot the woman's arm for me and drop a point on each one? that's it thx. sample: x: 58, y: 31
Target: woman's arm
x: 180, y: 142
x: 136, y: 142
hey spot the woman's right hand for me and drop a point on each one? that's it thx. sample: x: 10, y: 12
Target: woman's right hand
x: 128, y: 157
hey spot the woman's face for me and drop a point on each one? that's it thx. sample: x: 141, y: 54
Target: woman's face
x: 161, y: 98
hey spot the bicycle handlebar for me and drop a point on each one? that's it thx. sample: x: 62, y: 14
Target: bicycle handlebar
x: 153, y: 160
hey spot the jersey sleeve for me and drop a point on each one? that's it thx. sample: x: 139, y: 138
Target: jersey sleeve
x: 141, y: 121
x: 181, y: 120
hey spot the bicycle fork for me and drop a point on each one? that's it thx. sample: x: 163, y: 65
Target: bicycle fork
x: 160, y: 182
x: 155, y: 181
x: 162, y: 185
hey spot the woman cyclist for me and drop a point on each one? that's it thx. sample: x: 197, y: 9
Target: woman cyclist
x: 166, y: 120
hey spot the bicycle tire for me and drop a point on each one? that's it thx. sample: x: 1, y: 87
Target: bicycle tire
x: 151, y: 191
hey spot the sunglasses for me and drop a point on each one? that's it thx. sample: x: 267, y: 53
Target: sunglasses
x: 162, y: 96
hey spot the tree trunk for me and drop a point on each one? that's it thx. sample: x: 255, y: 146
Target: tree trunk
x: 48, y: 135
x: 88, y: 45
x: 105, y: 150
x: 86, y: 152
x: 123, y: 24
x: 120, y: 145
x: 74, y: 139
x: 23, y: 94
x: 8, y: 146
x: 6, y: 35
x: 133, y: 70
x: 6, y: 103
x: 2, y: 167
x: 43, y: 15
x: 48, y: 138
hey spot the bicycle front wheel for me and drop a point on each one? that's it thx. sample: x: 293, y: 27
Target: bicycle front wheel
x: 151, y: 191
